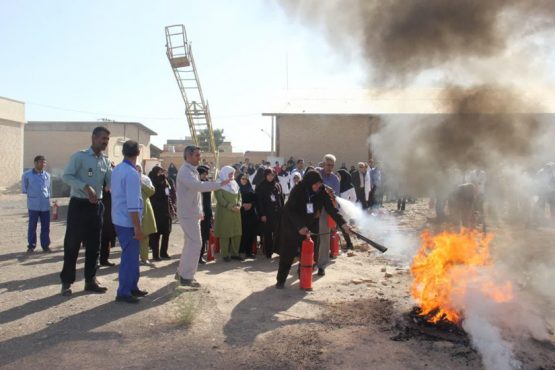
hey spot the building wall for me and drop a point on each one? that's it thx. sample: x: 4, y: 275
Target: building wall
x: 310, y: 137
x: 57, y: 141
x: 12, y: 120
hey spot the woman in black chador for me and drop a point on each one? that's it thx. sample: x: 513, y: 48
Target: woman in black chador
x: 208, y: 219
x: 249, y: 219
x: 162, y: 213
x: 300, y: 216
x: 269, y: 198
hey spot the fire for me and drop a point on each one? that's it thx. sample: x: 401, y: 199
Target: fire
x: 448, y: 265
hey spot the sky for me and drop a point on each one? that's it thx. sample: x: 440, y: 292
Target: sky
x: 86, y: 60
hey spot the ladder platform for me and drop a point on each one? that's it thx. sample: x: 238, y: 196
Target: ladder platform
x: 180, y: 62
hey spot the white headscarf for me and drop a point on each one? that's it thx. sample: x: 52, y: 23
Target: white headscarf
x: 232, y: 187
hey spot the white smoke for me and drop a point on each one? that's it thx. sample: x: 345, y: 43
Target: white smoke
x: 382, y: 229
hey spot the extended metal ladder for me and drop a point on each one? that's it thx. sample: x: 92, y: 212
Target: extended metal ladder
x: 197, y: 111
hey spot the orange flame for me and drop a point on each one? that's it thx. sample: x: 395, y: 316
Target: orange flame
x: 445, y: 266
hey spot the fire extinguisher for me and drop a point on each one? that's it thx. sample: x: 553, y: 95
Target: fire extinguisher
x: 334, y: 244
x: 254, y: 247
x: 331, y: 223
x: 55, y: 210
x: 307, y: 260
x: 211, y: 246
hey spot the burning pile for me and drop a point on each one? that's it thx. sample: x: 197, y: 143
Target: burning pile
x: 446, y: 267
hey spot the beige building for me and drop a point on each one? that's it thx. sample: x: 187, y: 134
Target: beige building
x: 58, y: 140
x: 12, y: 121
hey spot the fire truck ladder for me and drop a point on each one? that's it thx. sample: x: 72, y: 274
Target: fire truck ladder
x: 197, y: 111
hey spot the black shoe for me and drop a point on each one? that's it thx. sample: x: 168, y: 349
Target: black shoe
x: 321, y: 272
x: 250, y: 256
x: 165, y: 257
x: 227, y: 259
x: 157, y: 259
x: 238, y: 258
x: 46, y: 250
x: 127, y: 299
x: 107, y: 263
x: 66, y: 289
x: 280, y: 285
x: 139, y: 293
x: 202, y: 261
x: 30, y: 249
x: 189, y: 282
x: 95, y: 288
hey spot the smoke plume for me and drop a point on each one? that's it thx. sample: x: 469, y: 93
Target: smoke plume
x: 489, y: 55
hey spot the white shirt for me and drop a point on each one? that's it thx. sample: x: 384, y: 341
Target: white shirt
x: 188, y: 189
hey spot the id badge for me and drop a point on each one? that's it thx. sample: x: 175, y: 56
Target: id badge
x: 273, y: 198
x: 167, y: 192
x: 310, y: 208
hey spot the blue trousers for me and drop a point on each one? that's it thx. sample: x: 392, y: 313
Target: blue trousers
x: 129, y: 265
x: 44, y: 229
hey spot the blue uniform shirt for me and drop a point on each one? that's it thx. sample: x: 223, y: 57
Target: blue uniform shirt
x: 38, y: 188
x: 126, y: 194
x: 86, y: 168
x: 330, y: 180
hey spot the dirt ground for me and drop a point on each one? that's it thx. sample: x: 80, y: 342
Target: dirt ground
x: 356, y: 317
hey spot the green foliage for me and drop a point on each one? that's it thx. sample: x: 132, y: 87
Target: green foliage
x: 204, y: 142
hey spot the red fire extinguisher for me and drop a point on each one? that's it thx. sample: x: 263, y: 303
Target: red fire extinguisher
x: 211, y: 246
x: 334, y: 244
x: 254, y: 247
x: 331, y: 223
x: 307, y: 260
x: 55, y: 210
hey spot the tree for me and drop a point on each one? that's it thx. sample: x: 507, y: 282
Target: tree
x: 204, y: 144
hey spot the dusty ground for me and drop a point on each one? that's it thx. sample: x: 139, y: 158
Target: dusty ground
x: 356, y: 317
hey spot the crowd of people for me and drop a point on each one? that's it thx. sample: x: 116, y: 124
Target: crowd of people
x: 271, y: 208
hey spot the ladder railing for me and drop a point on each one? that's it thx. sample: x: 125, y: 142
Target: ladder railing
x: 197, y: 112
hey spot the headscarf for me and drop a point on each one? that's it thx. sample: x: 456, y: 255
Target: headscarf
x: 153, y: 174
x: 244, y: 188
x: 259, y: 176
x: 268, y: 171
x: 346, y: 180
x: 296, y: 174
x: 202, y: 169
x: 310, y: 178
x: 232, y: 187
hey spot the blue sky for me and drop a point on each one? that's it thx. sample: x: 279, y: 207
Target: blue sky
x: 84, y: 60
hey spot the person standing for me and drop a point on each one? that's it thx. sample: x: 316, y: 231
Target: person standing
x: 361, y: 183
x: 208, y: 219
x: 269, y: 200
x: 36, y: 184
x: 322, y: 253
x: 162, y: 212
x: 300, y: 217
x: 86, y: 173
x: 127, y: 211
x: 108, y: 238
x: 227, y: 223
x: 148, y: 221
x: 189, y: 212
x: 249, y: 219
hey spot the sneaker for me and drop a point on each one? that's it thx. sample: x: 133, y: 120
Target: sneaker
x: 94, y: 287
x: 66, y: 289
x: 189, y: 282
x: 280, y: 285
x: 321, y: 272
x: 202, y: 261
x: 139, y: 293
x: 127, y: 299
x: 146, y: 263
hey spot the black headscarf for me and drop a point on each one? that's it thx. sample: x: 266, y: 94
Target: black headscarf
x: 310, y: 178
x: 153, y: 174
x: 346, y: 180
x: 259, y: 176
x: 268, y: 171
x: 247, y: 188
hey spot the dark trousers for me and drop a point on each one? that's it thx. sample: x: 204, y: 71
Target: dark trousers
x: 285, y: 262
x: 157, y: 249
x: 268, y: 238
x: 105, y: 246
x: 129, y: 266
x: 34, y: 217
x: 247, y: 240
x: 84, y: 225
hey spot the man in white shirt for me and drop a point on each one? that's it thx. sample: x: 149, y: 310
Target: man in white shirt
x: 189, y: 212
